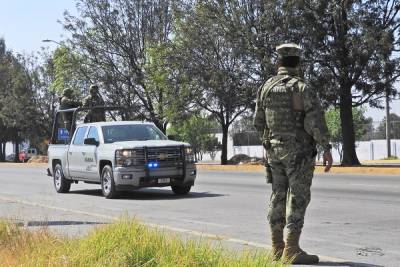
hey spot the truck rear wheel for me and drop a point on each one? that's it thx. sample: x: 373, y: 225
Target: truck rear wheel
x: 61, y: 184
x: 107, y: 183
x: 181, y: 190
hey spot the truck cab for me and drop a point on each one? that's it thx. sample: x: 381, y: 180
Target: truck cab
x: 119, y: 156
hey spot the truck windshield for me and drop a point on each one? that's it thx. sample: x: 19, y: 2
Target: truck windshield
x: 131, y: 132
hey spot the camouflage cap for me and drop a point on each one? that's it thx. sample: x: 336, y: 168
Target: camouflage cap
x: 288, y: 50
x: 67, y: 92
x: 93, y: 88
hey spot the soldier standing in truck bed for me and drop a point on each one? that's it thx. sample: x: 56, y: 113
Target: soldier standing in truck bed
x: 67, y: 102
x: 94, y: 100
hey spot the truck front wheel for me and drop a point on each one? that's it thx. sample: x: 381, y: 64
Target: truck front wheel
x: 61, y: 184
x: 181, y: 190
x: 107, y: 183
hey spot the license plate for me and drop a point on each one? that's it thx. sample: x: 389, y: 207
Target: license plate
x: 164, y: 180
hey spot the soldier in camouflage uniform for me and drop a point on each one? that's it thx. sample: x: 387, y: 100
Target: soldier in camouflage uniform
x: 291, y: 122
x: 92, y: 100
x: 67, y: 102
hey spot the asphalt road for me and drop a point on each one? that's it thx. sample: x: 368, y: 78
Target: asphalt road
x: 351, y: 218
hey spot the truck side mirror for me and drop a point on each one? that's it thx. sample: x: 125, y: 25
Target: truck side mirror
x: 91, y: 141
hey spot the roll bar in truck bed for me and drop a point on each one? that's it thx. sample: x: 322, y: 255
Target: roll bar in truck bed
x: 67, y: 133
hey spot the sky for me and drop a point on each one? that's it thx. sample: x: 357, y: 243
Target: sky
x: 25, y: 23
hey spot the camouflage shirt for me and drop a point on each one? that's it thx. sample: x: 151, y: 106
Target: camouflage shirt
x: 91, y: 101
x: 67, y: 103
x: 278, y: 117
x: 94, y: 115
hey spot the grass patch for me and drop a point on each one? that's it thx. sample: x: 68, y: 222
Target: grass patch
x: 124, y: 243
x: 391, y: 158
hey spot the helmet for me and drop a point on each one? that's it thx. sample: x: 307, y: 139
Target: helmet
x: 288, y: 50
x: 67, y: 92
x: 93, y: 89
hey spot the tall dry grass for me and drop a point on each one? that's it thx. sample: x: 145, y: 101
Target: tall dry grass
x: 124, y: 243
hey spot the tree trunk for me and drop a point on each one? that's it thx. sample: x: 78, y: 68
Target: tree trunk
x: 16, y: 158
x: 4, y: 150
x: 2, y: 154
x: 348, y: 133
x: 224, y: 152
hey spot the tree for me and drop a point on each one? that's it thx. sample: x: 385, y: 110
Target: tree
x: 173, y: 85
x: 18, y: 109
x: 349, y: 49
x: 68, y: 70
x: 42, y: 71
x: 219, y: 71
x: 333, y: 122
x: 394, y: 127
x: 114, y: 36
x: 196, y: 131
x: 4, y: 58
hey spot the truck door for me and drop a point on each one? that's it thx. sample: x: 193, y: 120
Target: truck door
x: 76, y: 154
x: 90, y: 158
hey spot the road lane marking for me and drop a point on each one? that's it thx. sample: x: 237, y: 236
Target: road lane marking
x: 166, y: 227
x: 375, y: 185
x: 206, y: 223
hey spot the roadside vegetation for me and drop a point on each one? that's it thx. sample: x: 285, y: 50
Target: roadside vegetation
x: 391, y: 158
x: 124, y: 243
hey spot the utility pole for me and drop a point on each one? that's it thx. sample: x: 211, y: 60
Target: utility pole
x: 389, y: 154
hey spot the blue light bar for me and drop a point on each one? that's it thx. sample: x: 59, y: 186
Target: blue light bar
x: 152, y: 165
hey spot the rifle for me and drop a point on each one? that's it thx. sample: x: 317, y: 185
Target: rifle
x: 269, y: 173
x: 268, y: 168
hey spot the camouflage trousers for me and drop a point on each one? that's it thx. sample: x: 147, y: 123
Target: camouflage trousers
x: 292, y: 178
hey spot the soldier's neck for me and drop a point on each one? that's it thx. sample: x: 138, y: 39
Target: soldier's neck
x: 288, y: 71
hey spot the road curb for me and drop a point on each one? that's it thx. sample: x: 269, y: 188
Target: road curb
x: 384, y: 170
x: 23, y: 165
x: 381, y: 170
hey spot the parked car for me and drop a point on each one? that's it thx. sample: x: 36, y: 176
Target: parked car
x: 30, y: 152
x: 22, y: 156
x: 25, y: 155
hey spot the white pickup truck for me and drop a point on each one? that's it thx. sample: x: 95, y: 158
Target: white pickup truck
x: 120, y: 156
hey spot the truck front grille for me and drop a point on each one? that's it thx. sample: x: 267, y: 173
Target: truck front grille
x: 165, y: 156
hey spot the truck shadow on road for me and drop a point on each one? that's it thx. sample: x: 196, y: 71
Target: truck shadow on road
x: 346, y: 264
x: 148, y: 194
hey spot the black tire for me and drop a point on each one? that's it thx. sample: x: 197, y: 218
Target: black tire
x: 107, y: 183
x: 61, y: 184
x: 181, y: 190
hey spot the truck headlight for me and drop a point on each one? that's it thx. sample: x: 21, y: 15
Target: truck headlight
x: 128, y: 157
x: 125, y: 153
x: 189, y: 155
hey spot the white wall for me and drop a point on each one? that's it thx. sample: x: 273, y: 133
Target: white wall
x: 9, y: 148
x: 366, y: 150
